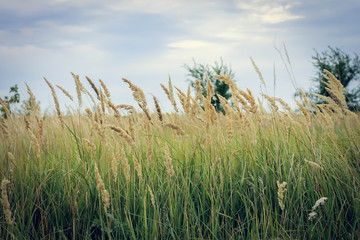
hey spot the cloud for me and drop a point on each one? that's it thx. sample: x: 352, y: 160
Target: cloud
x: 269, y: 12
x: 147, y: 40
x: 189, y: 44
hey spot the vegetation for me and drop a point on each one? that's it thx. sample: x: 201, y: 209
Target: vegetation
x: 121, y: 173
x: 5, y: 104
x: 200, y: 75
x: 344, y: 68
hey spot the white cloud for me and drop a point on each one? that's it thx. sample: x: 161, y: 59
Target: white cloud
x: 269, y: 12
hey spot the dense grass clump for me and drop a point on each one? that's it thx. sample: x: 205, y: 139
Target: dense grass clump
x: 115, y: 172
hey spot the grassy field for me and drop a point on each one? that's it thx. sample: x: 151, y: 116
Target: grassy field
x: 114, y: 172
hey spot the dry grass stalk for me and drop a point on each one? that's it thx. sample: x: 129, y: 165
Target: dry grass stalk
x: 5, y: 106
x: 4, y: 130
x: 114, y: 164
x: 285, y: 106
x: 100, y: 131
x: 146, y: 112
x: 11, y: 169
x: 166, y: 90
x: 35, y: 143
x: 113, y: 107
x: 229, y: 129
x: 123, y: 134
x: 57, y: 106
x: 227, y: 79
x: 34, y: 106
x: 258, y: 71
x: 305, y: 99
x: 182, y: 97
x: 89, y: 94
x: 132, y: 131
x: 331, y: 104
x: 11, y: 156
x: 262, y: 109
x: 319, y: 113
x: 93, y: 87
x: 40, y: 129
x: 152, y: 197
x: 158, y: 110
x: 286, y: 114
x: 188, y: 101
x: 89, y: 113
x: 5, y: 202
x: 102, y: 101
x: 240, y: 114
x: 314, y: 165
x: 227, y: 107
x: 168, y: 164
x: 170, y: 93
x: 198, y: 89
x: 106, y: 90
x: 138, y: 94
x: 303, y: 110
x: 210, y: 91
x: 210, y: 111
x: 195, y: 106
x: 326, y: 115
x: 79, y: 87
x: 65, y: 92
x: 237, y: 98
x: 126, y: 107
x: 271, y: 100
x: 125, y: 165
x: 252, y: 101
x: 27, y: 123
x: 175, y: 127
x: 96, y: 114
x: 248, y: 98
x: 101, y: 188
x: 353, y: 115
x: 26, y: 107
x: 281, y: 191
x: 336, y: 89
x: 149, y: 143
x: 90, y: 144
x: 200, y: 119
x: 334, y: 96
x: 137, y: 168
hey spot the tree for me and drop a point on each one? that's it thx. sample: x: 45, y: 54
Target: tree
x: 8, y: 101
x: 344, y: 68
x: 199, y: 71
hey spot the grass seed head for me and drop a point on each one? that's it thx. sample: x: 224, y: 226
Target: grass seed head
x: 281, y: 191
x: 5, y: 202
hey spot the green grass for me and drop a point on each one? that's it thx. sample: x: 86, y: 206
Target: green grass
x: 222, y: 189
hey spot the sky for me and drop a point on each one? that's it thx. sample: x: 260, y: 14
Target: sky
x: 148, y: 41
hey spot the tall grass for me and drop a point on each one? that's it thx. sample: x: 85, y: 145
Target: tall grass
x: 192, y: 174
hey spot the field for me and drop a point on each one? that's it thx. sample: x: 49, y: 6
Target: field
x: 126, y: 172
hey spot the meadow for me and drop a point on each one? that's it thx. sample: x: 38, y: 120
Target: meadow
x: 260, y: 170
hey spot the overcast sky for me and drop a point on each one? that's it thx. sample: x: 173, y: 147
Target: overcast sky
x: 146, y: 41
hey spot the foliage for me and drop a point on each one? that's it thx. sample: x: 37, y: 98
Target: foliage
x: 203, y: 175
x: 344, y: 68
x: 200, y: 71
x: 10, y: 100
